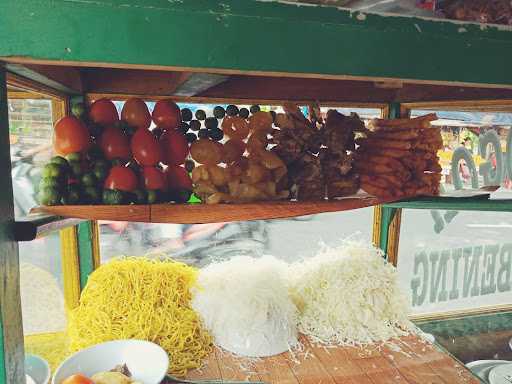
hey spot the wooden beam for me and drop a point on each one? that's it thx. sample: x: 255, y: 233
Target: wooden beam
x: 11, y: 338
x: 258, y: 87
x: 284, y: 88
x: 197, y: 83
x: 61, y: 79
x: 254, y: 37
x: 137, y: 82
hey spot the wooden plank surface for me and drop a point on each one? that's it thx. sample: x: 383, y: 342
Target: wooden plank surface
x: 139, y: 213
x: 471, y: 55
x: 11, y: 328
x: 201, y: 213
x: 408, y: 360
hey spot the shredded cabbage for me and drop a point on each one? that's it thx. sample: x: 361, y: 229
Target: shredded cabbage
x: 349, y: 295
x: 244, y: 303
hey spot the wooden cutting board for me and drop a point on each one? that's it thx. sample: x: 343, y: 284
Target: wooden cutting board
x: 408, y: 360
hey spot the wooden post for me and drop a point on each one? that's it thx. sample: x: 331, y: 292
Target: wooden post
x: 386, y: 220
x: 87, y: 250
x: 11, y: 327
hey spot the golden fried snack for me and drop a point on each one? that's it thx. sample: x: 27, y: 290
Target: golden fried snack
x: 375, y: 190
x: 384, y: 152
x: 200, y: 173
x: 421, y: 122
x: 233, y: 150
x: 261, y: 121
x: 434, y: 167
x: 406, y: 135
x: 376, y: 181
x: 368, y: 167
x: 431, y: 178
x: 394, y: 163
x: 257, y: 142
x: 429, y: 146
x: 219, y: 176
x: 235, y: 127
x: 392, y: 180
x: 389, y: 144
x: 270, y: 160
x: 218, y: 197
x: 206, y: 151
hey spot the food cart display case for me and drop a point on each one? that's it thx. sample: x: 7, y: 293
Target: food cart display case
x: 244, y: 52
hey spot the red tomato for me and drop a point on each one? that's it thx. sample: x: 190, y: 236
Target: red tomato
x: 154, y: 178
x: 70, y: 135
x: 166, y: 114
x: 178, y: 178
x: 145, y: 148
x: 77, y: 379
x: 121, y: 178
x: 114, y: 144
x: 136, y: 113
x: 174, y: 147
x: 103, y: 112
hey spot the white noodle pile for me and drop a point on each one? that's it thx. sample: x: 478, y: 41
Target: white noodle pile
x: 244, y: 303
x: 349, y: 295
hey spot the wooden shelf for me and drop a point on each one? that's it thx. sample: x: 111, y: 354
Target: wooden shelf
x: 403, y: 361
x: 201, y: 213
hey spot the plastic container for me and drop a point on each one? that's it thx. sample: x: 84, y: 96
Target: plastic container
x: 38, y: 369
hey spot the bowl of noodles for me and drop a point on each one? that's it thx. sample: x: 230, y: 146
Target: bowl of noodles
x: 142, y: 362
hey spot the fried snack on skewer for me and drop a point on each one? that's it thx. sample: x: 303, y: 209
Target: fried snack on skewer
x: 434, y: 168
x: 384, y: 152
x: 343, y: 186
x: 376, y: 190
x: 389, y: 144
x: 430, y: 147
x: 431, y: 178
x: 422, y: 122
x: 401, y: 135
x: 394, y: 163
x: 373, y: 169
x: 376, y: 181
x: 392, y: 180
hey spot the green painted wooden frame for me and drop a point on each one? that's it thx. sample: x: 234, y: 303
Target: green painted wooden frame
x: 11, y: 328
x: 247, y: 36
x: 85, y: 236
x: 457, y: 204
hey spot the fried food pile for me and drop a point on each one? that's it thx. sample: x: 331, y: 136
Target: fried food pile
x: 225, y: 174
x: 398, y: 157
x: 318, y: 154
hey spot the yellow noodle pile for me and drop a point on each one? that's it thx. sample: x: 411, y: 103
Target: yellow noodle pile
x: 53, y: 347
x: 138, y: 298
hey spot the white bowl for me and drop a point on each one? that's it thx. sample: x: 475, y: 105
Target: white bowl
x: 147, y: 362
x: 37, y: 368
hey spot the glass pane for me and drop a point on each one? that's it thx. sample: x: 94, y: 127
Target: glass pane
x: 31, y: 127
x: 452, y: 260
x: 475, y: 152
x: 199, y: 244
